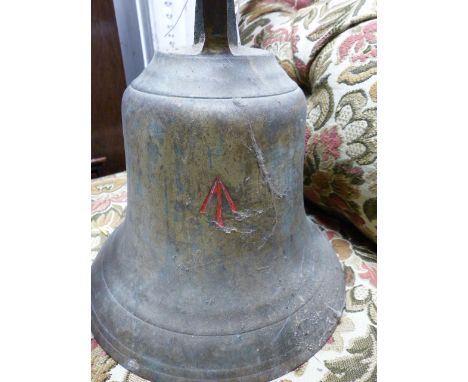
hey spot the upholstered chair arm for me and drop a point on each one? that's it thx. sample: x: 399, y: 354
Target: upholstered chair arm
x: 330, y: 49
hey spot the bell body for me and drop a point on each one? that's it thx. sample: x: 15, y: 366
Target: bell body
x: 216, y: 274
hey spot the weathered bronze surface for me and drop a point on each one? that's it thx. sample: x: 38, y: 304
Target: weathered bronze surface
x: 216, y: 273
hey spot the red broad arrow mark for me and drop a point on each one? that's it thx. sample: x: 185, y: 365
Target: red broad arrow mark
x: 217, y: 188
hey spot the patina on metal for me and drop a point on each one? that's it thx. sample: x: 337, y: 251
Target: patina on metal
x: 216, y: 274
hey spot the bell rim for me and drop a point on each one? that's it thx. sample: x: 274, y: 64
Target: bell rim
x: 132, y: 363
x: 298, y: 354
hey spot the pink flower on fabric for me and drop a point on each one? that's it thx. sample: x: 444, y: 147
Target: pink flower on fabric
x: 364, y: 44
x: 331, y: 235
x: 102, y: 204
x: 94, y: 344
x: 298, y: 4
x: 330, y: 143
x: 276, y: 35
x: 355, y: 171
x: 370, y: 274
x: 306, y: 139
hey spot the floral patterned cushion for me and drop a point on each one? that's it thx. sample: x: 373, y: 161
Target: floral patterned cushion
x: 330, y: 49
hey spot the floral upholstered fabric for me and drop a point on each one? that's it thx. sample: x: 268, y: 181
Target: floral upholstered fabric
x: 330, y: 49
x: 350, y: 353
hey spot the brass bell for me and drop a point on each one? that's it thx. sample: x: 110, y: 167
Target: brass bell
x: 216, y: 274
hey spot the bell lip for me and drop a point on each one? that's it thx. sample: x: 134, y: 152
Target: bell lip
x: 139, y: 365
x: 285, y: 367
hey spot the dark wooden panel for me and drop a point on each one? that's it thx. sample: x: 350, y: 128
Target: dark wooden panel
x: 107, y: 87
